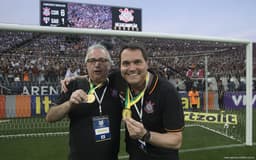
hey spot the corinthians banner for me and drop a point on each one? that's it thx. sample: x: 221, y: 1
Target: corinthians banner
x: 128, y: 19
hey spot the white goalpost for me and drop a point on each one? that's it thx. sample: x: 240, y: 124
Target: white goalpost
x: 246, y: 43
x: 249, y: 110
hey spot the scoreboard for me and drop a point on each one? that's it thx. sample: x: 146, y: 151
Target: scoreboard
x: 53, y: 14
x: 80, y: 15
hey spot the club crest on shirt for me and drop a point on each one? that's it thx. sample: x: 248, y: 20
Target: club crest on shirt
x: 149, y: 107
x: 114, y: 93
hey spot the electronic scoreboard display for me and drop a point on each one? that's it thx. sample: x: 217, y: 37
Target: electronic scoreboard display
x: 53, y: 14
x: 80, y: 15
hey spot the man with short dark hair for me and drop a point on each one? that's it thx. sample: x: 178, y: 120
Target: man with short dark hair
x: 153, y: 112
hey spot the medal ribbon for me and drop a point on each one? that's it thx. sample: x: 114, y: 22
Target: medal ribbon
x: 92, y: 89
x: 131, y: 101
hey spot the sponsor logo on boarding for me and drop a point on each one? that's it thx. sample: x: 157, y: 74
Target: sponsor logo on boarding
x: 218, y: 118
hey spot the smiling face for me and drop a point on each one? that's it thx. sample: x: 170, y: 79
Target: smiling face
x: 133, y: 68
x: 98, y: 65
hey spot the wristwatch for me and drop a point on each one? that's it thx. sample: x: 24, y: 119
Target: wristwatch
x: 146, y: 137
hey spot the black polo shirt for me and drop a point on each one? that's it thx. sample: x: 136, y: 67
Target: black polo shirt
x: 162, y: 112
x: 82, y: 139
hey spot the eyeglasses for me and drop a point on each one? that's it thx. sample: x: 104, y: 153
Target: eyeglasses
x: 100, y: 60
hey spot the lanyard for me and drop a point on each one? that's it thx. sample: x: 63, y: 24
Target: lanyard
x: 130, y: 100
x: 101, y: 98
x: 92, y: 91
x: 140, y: 113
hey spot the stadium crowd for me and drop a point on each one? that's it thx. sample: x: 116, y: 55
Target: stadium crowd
x: 87, y: 16
x: 47, y: 58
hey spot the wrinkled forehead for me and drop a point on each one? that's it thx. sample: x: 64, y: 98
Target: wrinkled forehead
x: 97, y: 53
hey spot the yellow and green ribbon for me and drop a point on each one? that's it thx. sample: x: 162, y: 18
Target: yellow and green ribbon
x: 131, y: 101
x: 92, y: 89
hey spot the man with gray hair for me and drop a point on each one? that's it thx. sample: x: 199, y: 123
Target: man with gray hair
x: 94, y: 109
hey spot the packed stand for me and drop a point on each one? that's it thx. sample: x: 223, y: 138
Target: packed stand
x: 47, y: 58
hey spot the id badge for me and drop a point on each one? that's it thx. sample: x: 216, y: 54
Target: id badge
x: 101, y: 128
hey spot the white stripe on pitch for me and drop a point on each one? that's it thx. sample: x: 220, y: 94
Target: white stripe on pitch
x: 213, y: 147
x: 200, y: 149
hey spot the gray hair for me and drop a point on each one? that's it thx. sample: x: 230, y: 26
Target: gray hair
x: 102, y: 48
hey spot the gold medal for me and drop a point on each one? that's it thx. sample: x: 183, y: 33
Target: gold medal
x: 90, y: 98
x: 127, y: 113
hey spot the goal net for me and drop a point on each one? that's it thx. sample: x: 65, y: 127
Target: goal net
x: 35, y: 59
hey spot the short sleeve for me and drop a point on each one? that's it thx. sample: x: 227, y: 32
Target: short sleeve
x: 173, y: 116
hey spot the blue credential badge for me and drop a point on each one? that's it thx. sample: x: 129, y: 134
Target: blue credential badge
x: 101, y: 128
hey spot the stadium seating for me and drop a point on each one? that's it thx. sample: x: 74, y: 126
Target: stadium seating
x: 46, y: 57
